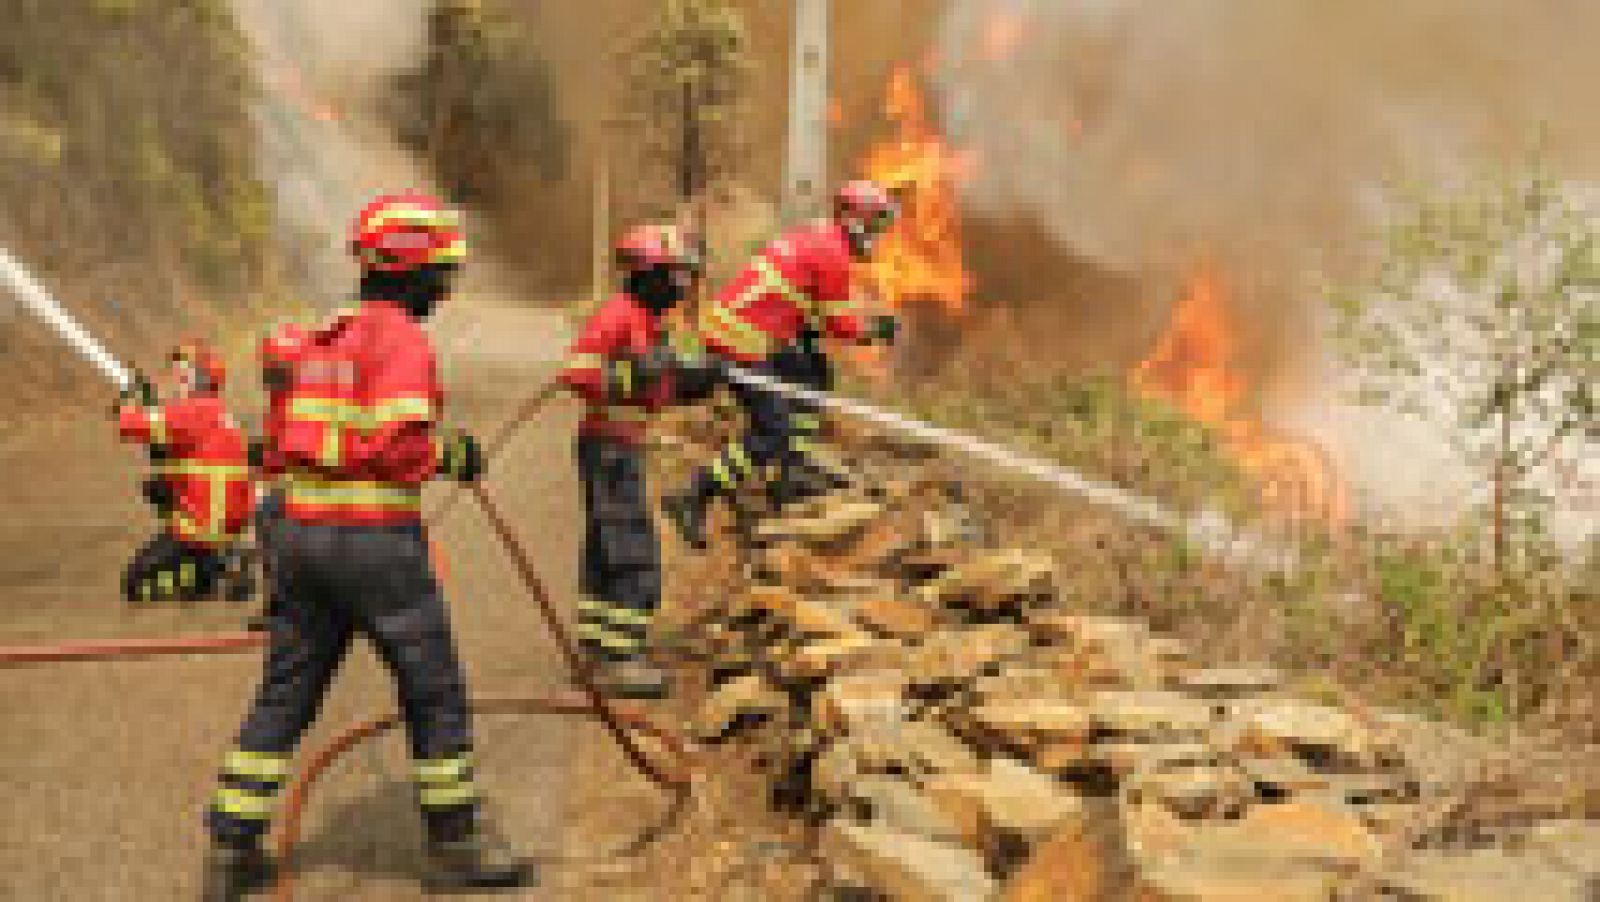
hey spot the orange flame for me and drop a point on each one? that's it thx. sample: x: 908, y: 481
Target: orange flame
x: 1192, y: 367
x: 920, y: 259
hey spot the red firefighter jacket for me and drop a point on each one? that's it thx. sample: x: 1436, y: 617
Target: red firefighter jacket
x: 204, y: 464
x: 596, y: 370
x: 356, y: 435
x: 803, y: 278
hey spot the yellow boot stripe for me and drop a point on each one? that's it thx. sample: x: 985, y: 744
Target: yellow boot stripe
x: 256, y: 765
x: 448, y: 796
x: 242, y: 803
x: 443, y: 770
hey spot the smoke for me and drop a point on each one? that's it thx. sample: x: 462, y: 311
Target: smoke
x: 326, y: 70
x: 1145, y: 131
x: 1266, y: 135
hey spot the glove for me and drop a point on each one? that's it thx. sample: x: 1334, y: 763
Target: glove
x: 883, y: 328
x: 138, y: 391
x: 460, y: 457
x: 158, y: 492
x: 632, y: 376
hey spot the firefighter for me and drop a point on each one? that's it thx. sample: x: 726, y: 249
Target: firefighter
x: 357, y: 437
x: 771, y: 319
x: 622, y: 367
x: 201, y: 485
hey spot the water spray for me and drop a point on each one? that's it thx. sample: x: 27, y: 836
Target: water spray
x: 38, y: 300
x: 1210, y: 531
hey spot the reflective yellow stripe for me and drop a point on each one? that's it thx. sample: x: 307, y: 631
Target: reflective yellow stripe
x: 323, y: 410
x: 350, y: 413
x: 839, y: 307
x: 242, y: 803
x: 803, y: 445
x: 448, y: 796
x: 807, y: 421
x: 620, y: 374
x: 772, y: 279
x: 158, y: 426
x: 188, y: 576
x: 317, y: 493
x: 585, y: 361
x: 740, y: 459
x: 616, y: 614
x: 443, y: 770
x: 194, y: 468
x: 257, y: 765
x: 400, y: 409
x: 164, y: 582
x: 410, y: 214
x: 332, y: 445
x: 598, y: 633
x: 719, y: 469
x: 727, y: 327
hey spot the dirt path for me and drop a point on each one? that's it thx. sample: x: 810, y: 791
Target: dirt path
x: 107, y: 765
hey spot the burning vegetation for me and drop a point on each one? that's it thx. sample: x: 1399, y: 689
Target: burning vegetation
x: 1194, y: 367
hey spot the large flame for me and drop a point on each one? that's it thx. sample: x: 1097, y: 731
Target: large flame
x: 1192, y: 366
x: 920, y: 259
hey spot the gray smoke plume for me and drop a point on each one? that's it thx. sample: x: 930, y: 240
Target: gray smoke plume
x: 1266, y: 135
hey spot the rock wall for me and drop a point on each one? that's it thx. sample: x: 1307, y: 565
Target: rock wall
x: 952, y: 731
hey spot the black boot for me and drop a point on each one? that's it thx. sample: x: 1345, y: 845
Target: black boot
x: 481, y: 860
x: 688, y: 512
x: 233, y: 874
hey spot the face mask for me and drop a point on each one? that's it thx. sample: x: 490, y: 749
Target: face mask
x: 659, y: 289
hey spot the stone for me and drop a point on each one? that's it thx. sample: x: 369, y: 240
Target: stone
x: 1208, y: 880
x: 1488, y: 875
x: 1194, y: 792
x: 849, y: 700
x: 1153, y: 715
x: 742, y: 700
x: 774, y: 602
x: 1020, y: 682
x: 834, y: 771
x: 1084, y: 630
x: 805, y: 570
x: 994, y: 580
x: 895, y: 617
x: 1004, y: 812
x: 958, y: 656
x: 1270, y: 727
x: 812, y: 618
x: 1030, y: 723
x: 1074, y: 863
x: 1299, y: 832
x: 1574, y: 844
x: 895, y: 803
x: 1279, y: 777
x: 1230, y: 682
x: 914, y: 747
x: 819, y: 660
x: 905, y: 867
x: 836, y: 522
x: 1123, y: 758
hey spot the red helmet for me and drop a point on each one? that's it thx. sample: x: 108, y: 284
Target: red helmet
x: 282, y: 345
x: 400, y: 232
x: 649, y: 246
x: 208, y: 367
x: 865, y: 202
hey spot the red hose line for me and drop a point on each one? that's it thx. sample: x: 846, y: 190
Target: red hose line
x: 299, y: 792
x: 129, y: 649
